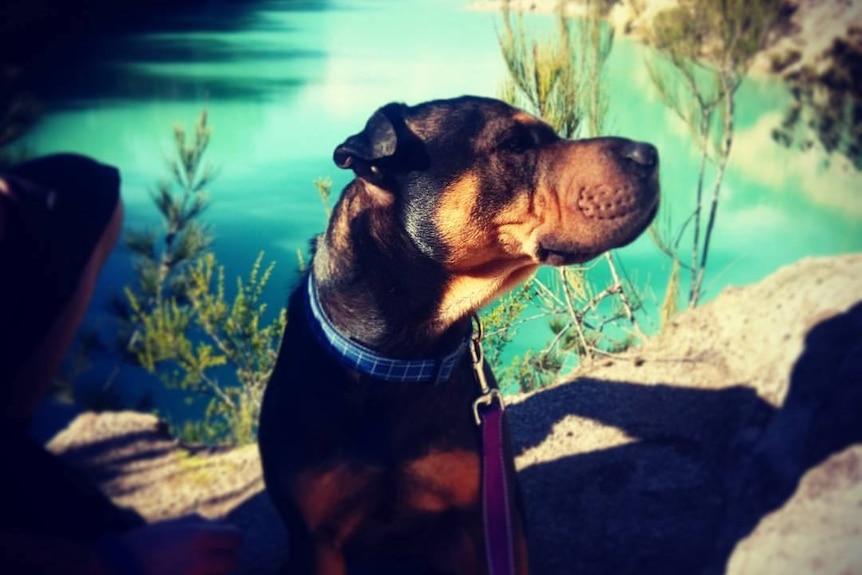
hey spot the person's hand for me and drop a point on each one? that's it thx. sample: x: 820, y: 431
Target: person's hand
x: 185, y: 546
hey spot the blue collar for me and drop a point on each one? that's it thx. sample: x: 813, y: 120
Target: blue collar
x: 355, y: 356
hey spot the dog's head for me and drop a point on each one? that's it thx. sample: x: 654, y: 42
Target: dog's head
x: 491, y: 192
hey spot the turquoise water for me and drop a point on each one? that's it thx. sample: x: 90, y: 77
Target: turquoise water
x: 287, y: 82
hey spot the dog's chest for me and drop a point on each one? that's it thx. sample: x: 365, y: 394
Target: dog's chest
x: 356, y: 499
x: 392, y: 423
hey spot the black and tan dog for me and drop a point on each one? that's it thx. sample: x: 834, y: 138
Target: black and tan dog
x: 454, y: 203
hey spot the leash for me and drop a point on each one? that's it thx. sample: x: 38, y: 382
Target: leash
x: 497, y: 516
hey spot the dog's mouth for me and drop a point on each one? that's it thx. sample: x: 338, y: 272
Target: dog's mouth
x: 552, y: 251
x: 562, y: 257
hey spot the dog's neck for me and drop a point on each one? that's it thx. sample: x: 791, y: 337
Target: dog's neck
x: 376, y: 286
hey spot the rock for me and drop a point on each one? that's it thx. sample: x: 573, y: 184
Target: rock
x: 664, y: 460
x: 136, y: 463
x: 817, y: 531
x: 730, y: 443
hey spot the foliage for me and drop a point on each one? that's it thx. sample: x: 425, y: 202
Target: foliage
x: 162, y: 260
x: 661, y: 234
x: 324, y: 190
x: 542, y: 75
x: 827, y: 104
x: 181, y: 326
x: 226, y: 333
x: 500, y: 322
x: 560, y: 78
x: 704, y: 49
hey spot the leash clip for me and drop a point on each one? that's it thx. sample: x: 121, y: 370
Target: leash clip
x: 485, y: 401
x: 488, y: 394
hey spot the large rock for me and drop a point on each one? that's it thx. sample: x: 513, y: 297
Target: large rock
x: 817, y: 531
x: 731, y: 443
x: 664, y: 459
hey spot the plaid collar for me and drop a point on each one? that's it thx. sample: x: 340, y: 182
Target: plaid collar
x: 355, y: 356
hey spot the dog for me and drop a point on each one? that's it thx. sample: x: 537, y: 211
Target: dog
x: 454, y: 202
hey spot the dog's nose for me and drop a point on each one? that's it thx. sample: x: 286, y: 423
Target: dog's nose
x: 641, y: 153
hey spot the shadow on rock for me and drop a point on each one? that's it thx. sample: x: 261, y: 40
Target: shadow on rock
x: 701, y: 468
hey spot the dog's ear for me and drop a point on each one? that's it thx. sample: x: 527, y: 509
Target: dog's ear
x: 377, y: 141
x: 384, y: 148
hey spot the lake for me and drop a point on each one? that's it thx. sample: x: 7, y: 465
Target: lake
x: 285, y: 82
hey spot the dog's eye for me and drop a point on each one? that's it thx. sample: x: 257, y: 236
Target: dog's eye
x: 517, y: 143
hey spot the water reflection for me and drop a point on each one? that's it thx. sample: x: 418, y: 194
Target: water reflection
x: 284, y: 82
x: 218, y: 53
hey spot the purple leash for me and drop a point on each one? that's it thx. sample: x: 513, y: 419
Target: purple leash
x: 488, y: 413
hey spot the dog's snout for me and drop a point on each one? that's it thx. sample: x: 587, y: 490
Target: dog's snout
x: 640, y: 153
